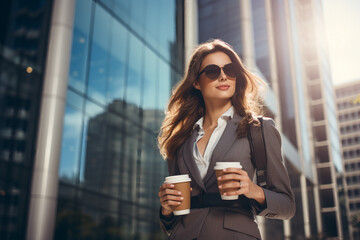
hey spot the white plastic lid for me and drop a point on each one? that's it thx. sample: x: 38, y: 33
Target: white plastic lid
x: 181, y: 212
x: 224, y: 165
x: 178, y: 178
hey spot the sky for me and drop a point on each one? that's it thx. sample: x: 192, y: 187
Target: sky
x: 342, y: 27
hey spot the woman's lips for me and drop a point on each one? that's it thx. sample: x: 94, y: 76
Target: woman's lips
x: 223, y: 87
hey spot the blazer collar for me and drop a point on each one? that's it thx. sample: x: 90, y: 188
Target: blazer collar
x: 226, y: 141
x: 190, y: 161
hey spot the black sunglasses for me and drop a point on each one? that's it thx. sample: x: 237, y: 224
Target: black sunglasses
x: 213, y: 71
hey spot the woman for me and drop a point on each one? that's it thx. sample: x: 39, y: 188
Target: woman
x: 209, y: 114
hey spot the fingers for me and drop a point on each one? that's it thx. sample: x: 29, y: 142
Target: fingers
x: 235, y: 181
x: 232, y: 185
x: 169, y: 196
x: 168, y: 191
x: 235, y: 188
x: 233, y: 177
x: 234, y: 174
x: 171, y: 200
x: 166, y: 185
x: 235, y: 170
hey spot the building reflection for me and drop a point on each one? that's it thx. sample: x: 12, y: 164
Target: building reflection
x: 110, y: 168
x: 122, y: 173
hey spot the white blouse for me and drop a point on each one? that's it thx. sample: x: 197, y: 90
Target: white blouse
x: 203, y: 161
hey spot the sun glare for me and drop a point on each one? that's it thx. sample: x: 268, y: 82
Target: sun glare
x: 342, y: 29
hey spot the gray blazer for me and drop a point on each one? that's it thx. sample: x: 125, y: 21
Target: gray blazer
x: 229, y: 222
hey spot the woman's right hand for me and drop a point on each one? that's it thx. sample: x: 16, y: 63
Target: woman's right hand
x: 169, y: 197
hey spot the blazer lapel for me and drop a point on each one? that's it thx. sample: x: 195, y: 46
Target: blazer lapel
x: 190, y: 161
x: 226, y: 141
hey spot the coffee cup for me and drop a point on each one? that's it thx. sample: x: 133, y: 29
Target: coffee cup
x: 181, y: 184
x: 219, y: 167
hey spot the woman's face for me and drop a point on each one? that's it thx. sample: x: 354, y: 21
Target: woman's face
x: 220, y: 89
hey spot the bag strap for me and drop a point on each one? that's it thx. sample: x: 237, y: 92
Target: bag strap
x: 258, y: 152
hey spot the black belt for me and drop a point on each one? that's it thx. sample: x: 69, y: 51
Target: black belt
x: 214, y: 200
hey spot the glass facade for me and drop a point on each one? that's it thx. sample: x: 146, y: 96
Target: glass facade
x: 214, y: 24
x: 297, y: 222
x: 299, y: 81
x: 323, y: 114
x: 23, y: 44
x: 261, y: 40
x: 348, y: 111
x: 284, y: 70
x: 126, y: 56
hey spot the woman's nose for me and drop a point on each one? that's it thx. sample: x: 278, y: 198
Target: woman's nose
x: 222, y: 76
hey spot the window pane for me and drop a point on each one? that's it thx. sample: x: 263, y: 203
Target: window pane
x: 70, y: 150
x: 150, y: 80
x: 164, y: 85
x: 134, y: 71
x: 120, y: 8
x: 99, y: 66
x: 166, y: 27
x: 117, y: 62
x: 138, y: 15
x: 79, y: 53
x: 152, y: 27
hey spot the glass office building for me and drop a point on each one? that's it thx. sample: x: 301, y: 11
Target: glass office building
x: 217, y: 25
x: 125, y: 57
x: 23, y: 39
x: 281, y: 39
x: 348, y: 111
x: 322, y: 110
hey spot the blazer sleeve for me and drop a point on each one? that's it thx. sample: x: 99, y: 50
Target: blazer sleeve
x: 168, y: 222
x: 279, y: 197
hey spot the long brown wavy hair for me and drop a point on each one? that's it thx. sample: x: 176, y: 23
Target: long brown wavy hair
x: 186, y: 105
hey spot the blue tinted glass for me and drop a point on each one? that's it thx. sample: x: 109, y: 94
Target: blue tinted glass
x: 164, y: 84
x: 93, y: 109
x: 137, y: 9
x: 120, y: 7
x: 103, y: 153
x: 99, y: 66
x: 300, y: 92
x: 150, y: 120
x: 83, y: 149
x: 130, y: 165
x: 166, y: 26
x: 80, y: 44
x: 150, y: 80
x: 93, y: 138
x: 260, y: 38
x: 152, y: 169
x: 128, y: 60
x: 214, y: 24
x: 74, y: 100
x: 71, y: 145
x: 146, y: 167
x: 283, y: 62
x: 117, y: 62
x: 135, y: 66
x: 152, y: 19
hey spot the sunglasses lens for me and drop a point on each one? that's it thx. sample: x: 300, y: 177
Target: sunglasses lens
x: 212, y: 71
x: 230, y: 70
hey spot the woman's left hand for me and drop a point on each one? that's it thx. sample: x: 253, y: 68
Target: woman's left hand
x: 236, y: 178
